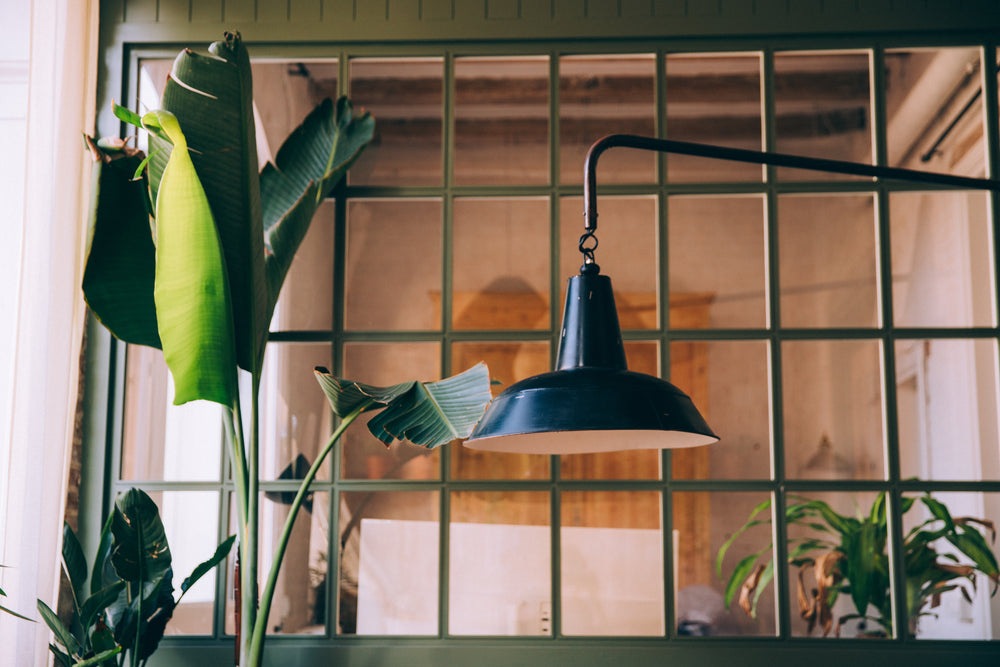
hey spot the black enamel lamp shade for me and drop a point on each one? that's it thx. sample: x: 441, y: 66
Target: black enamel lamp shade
x: 592, y: 402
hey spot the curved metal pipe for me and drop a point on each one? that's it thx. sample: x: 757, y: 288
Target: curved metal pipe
x: 757, y: 157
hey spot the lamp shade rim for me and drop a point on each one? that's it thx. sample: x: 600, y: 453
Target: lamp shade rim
x: 608, y: 403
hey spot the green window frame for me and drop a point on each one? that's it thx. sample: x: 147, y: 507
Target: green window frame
x: 558, y: 649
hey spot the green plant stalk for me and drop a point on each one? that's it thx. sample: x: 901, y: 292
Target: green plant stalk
x: 237, y: 455
x: 248, y: 567
x: 267, y: 595
x: 234, y: 436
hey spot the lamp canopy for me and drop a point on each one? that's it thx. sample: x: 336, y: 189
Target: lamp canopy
x: 592, y: 402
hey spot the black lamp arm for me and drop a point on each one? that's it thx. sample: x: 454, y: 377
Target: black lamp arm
x: 756, y: 157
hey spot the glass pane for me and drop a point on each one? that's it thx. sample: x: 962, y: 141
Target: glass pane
x: 388, y: 582
x: 382, y: 365
x: 393, y: 264
x: 628, y: 253
x: 160, y: 440
x: 300, y: 594
x: 946, y: 402
x: 191, y: 521
x: 284, y: 94
x: 501, y: 264
x: 306, y: 301
x: 832, y: 396
x: 822, y: 106
x: 942, y: 260
x: 718, y: 262
x: 969, y: 611
x: 643, y: 357
x: 612, y: 563
x: 501, y: 121
x: 507, y: 534
x: 934, y: 108
x: 703, y: 521
x: 405, y: 96
x: 714, y: 99
x: 601, y: 95
x: 828, y: 266
x: 295, y: 417
x: 508, y: 362
x: 823, y: 604
x: 729, y: 384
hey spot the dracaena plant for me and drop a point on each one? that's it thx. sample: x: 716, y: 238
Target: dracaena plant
x: 120, y: 617
x: 189, y: 252
x: 845, y: 555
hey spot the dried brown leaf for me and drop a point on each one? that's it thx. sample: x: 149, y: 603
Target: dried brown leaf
x: 749, y: 587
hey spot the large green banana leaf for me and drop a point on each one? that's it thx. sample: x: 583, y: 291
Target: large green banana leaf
x: 430, y: 414
x: 309, y: 164
x: 192, y: 296
x: 212, y: 98
x: 118, y: 278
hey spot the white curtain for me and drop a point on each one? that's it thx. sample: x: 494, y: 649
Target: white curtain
x: 43, y: 220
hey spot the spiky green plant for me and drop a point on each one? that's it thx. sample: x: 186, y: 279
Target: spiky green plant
x: 847, y: 556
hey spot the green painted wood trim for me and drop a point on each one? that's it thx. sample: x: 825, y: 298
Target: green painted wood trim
x: 547, y: 652
x: 423, y: 20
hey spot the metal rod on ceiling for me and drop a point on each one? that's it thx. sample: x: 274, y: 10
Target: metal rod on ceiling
x: 758, y: 157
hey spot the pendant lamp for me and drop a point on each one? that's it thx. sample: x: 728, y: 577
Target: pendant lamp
x: 592, y: 402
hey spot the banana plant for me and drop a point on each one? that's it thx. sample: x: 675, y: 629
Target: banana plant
x: 189, y: 252
x: 124, y: 611
x: 847, y: 555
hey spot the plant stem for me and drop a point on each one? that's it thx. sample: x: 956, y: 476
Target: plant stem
x: 237, y: 457
x: 234, y: 435
x: 260, y: 628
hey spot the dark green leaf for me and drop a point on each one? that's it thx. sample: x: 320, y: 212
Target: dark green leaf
x: 102, y: 641
x: 14, y: 613
x: 61, y: 658
x: 75, y: 564
x: 308, y: 165
x: 61, y: 632
x: 806, y: 546
x: 98, y: 602
x: 103, y: 574
x: 119, y: 272
x: 859, y: 565
x: 971, y: 543
x: 156, y: 616
x: 221, y: 552
x: 141, y: 553
x: 938, y: 509
x: 99, y: 658
x: 123, y: 614
x: 425, y: 413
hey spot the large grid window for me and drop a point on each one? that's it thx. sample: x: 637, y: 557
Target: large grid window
x: 840, y: 335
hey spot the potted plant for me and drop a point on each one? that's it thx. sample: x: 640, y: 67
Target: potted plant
x: 847, y: 555
x: 124, y: 612
x: 189, y: 251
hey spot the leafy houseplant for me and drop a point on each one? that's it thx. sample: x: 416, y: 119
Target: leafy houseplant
x: 850, y: 558
x: 130, y: 598
x: 190, y: 256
